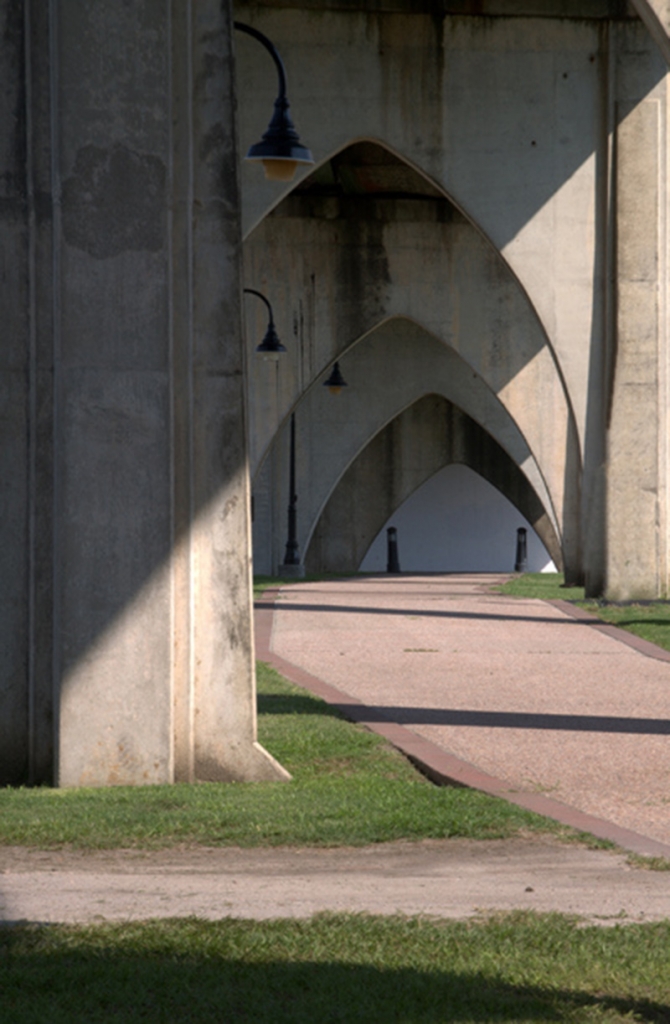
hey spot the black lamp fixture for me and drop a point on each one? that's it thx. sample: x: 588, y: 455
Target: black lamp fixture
x: 271, y: 346
x: 280, y: 149
x: 335, y: 381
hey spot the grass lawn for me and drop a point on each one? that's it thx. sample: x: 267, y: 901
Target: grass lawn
x: 349, y: 788
x: 651, y: 621
x: 336, y: 968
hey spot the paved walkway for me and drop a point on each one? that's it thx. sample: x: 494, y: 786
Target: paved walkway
x: 531, y: 700
x: 451, y: 878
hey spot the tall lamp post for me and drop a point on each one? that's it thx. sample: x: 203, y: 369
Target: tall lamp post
x: 291, y: 565
x: 280, y: 151
x: 270, y: 347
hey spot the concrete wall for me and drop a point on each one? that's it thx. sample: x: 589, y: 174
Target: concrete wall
x: 126, y: 626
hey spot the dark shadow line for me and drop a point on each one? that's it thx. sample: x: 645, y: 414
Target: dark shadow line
x: 285, y: 606
x: 509, y: 720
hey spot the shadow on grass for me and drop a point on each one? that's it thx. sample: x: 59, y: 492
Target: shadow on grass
x: 293, y: 704
x: 103, y: 985
x: 640, y: 623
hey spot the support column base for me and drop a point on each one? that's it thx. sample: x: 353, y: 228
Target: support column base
x: 296, y: 572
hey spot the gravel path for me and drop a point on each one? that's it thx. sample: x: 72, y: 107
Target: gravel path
x: 517, y: 689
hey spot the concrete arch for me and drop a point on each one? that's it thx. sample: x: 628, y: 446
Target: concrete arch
x: 339, y: 262
x: 420, y: 441
x: 656, y: 16
x: 333, y: 431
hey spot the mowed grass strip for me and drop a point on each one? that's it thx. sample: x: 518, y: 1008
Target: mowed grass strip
x: 649, y: 620
x: 349, y: 787
x: 336, y: 968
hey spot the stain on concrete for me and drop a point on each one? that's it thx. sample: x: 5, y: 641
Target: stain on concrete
x: 114, y: 201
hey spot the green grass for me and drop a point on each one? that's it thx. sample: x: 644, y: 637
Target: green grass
x: 649, y: 621
x: 547, y: 586
x: 336, y: 968
x: 349, y: 788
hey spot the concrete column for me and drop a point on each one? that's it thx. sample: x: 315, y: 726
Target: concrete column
x: 636, y: 544
x: 127, y: 632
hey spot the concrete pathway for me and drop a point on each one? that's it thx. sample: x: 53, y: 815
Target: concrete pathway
x: 447, y: 878
x: 531, y: 700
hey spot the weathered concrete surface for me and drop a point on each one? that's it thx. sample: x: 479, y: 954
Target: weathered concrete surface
x: 369, y: 260
x: 127, y: 638
x: 637, y: 479
x: 656, y: 16
x: 514, y: 118
x: 449, y: 879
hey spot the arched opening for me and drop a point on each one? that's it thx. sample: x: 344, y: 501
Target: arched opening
x: 457, y: 522
x: 367, y: 261
x: 446, y: 516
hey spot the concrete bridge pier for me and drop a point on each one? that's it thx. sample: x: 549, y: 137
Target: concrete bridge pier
x: 636, y: 528
x: 127, y: 643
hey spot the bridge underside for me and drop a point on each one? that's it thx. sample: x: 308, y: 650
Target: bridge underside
x: 481, y: 245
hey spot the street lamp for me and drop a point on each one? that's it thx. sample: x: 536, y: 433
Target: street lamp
x: 291, y: 564
x: 280, y: 150
x: 271, y: 346
x: 335, y: 381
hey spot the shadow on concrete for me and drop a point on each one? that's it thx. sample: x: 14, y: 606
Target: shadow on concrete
x: 510, y: 720
x: 419, y: 613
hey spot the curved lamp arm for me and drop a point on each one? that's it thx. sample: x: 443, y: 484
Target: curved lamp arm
x: 272, y: 50
x: 280, y: 149
x: 270, y: 346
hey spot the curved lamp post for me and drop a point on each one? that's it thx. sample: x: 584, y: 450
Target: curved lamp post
x: 280, y: 149
x: 271, y: 346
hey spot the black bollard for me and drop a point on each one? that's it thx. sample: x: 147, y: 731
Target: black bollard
x: 521, y: 564
x: 392, y: 563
